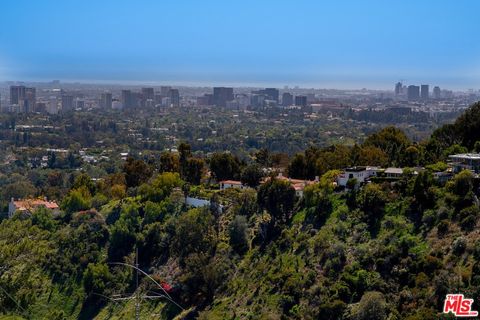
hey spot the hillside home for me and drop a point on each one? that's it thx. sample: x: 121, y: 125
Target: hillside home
x: 361, y: 174
x: 28, y: 206
x: 465, y: 161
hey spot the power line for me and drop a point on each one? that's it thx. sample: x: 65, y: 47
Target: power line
x: 136, y: 295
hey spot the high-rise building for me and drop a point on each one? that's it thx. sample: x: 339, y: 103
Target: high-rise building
x: 269, y: 93
x: 174, y: 96
x: 221, y: 95
x: 17, y: 93
x: 424, y: 91
x: 164, y: 90
x: 80, y: 104
x: 398, y: 88
x: 413, y: 92
x: 258, y: 100
x: 287, y: 99
x: 128, y: 99
x: 301, y: 101
x: 205, y: 100
x: 106, y: 100
x: 148, y: 93
x: 52, y: 106
x: 30, y: 100
x: 148, y: 96
x: 436, y: 92
x: 23, y: 98
x: 67, y: 102
x: 41, y: 107
x: 272, y: 93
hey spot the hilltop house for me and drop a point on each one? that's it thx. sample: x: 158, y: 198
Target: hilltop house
x: 393, y: 172
x: 298, y: 184
x: 361, y: 174
x: 465, y: 161
x: 226, y: 184
x: 30, y: 205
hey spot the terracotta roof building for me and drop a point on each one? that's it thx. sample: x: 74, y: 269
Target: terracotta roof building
x: 30, y: 205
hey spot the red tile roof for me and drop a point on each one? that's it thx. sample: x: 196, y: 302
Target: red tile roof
x: 32, y: 204
x: 231, y: 182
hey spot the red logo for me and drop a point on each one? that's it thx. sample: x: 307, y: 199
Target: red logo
x: 459, y: 306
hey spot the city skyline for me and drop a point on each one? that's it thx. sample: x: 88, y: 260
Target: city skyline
x: 346, y: 46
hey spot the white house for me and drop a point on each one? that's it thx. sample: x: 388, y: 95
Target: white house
x: 226, y: 184
x: 359, y: 173
x: 465, y: 161
x: 393, y: 172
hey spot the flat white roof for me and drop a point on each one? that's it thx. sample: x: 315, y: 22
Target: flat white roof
x: 394, y: 170
x: 466, y: 156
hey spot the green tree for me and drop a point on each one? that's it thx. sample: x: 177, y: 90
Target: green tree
x: 122, y: 241
x: 193, y: 171
x: 372, y: 306
x: 136, y: 172
x: 297, y: 167
x: 96, y: 278
x: 392, y: 141
x: 185, y: 152
x: 238, y: 234
x: 84, y: 180
x: 278, y: 198
x: 251, y: 175
x: 77, y: 200
x: 462, y: 184
x: 194, y: 234
x: 224, y: 166
x: 412, y: 156
x: 372, y: 156
x: 372, y: 200
x: 262, y: 157
x: 161, y: 187
x: 169, y: 162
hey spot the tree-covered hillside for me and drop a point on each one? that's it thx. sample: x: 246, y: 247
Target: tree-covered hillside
x: 388, y: 249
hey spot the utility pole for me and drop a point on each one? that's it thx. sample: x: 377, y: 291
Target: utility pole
x: 137, y: 295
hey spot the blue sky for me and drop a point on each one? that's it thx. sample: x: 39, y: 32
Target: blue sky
x: 344, y: 44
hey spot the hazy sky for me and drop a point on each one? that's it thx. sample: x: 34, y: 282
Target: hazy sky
x: 349, y: 44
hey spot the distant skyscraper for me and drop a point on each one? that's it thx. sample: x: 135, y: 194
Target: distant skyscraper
x: 67, y: 103
x: 106, y: 100
x: 269, y: 93
x: 310, y: 98
x: 30, y: 100
x: 413, y: 92
x: 301, y: 101
x: 398, y: 88
x: 436, y: 92
x: 205, y: 100
x: 164, y: 90
x: 147, y: 95
x: 257, y: 100
x: 221, y: 95
x: 272, y: 93
x: 128, y: 99
x: 424, y: 91
x: 24, y: 98
x: 80, y: 104
x: 287, y: 99
x: 17, y: 93
x: 174, y: 96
